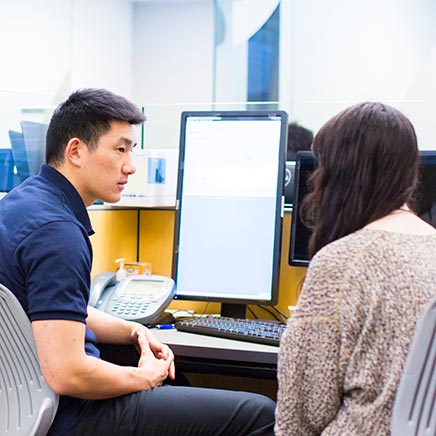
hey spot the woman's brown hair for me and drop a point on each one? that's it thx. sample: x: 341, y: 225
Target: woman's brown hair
x: 367, y: 167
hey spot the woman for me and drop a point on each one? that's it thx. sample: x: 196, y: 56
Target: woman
x: 373, y: 271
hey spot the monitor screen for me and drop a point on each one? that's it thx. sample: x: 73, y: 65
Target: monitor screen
x: 229, y: 208
x: 423, y: 202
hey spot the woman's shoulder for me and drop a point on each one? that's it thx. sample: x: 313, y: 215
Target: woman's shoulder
x: 343, y: 249
x: 330, y: 272
x: 344, y: 262
x: 367, y: 239
x: 353, y: 257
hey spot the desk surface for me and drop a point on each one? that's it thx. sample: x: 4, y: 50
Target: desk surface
x: 200, y: 346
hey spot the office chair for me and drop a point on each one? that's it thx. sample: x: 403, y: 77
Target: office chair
x: 415, y: 403
x: 27, y: 404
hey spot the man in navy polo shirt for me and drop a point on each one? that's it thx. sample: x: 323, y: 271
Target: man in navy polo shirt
x: 46, y: 260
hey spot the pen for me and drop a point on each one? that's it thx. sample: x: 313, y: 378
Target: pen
x: 164, y: 326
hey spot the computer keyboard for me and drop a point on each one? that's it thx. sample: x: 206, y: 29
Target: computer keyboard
x: 250, y: 330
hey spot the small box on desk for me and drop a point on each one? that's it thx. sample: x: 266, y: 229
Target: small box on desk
x: 138, y: 268
x: 154, y: 182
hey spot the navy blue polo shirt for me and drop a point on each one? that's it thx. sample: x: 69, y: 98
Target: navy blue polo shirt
x: 46, y: 259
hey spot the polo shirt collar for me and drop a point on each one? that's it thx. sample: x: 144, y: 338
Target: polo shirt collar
x: 70, y: 194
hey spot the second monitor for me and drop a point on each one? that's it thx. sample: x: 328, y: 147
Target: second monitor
x: 423, y: 201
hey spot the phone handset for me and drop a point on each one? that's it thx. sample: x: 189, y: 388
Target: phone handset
x: 140, y: 298
x: 99, y: 285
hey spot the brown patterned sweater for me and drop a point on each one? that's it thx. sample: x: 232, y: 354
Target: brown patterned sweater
x: 344, y: 348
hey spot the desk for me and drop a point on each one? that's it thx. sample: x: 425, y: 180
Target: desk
x: 211, y: 362
x: 201, y: 346
x: 219, y: 355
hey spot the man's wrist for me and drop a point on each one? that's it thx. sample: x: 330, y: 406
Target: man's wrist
x: 135, y: 327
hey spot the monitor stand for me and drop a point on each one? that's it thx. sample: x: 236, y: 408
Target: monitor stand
x: 233, y: 310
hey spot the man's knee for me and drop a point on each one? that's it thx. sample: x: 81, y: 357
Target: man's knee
x: 260, y: 407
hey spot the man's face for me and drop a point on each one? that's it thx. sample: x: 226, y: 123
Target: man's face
x: 104, y: 171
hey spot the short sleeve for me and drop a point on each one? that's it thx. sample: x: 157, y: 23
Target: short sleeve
x: 56, y: 259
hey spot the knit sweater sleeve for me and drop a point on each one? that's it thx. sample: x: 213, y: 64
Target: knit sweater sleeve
x: 309, y: 369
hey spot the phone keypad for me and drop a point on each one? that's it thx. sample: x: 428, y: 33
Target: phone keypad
x: 138, y: 298
x: 132, y: 305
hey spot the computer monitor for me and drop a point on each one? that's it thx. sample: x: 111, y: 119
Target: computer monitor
x: 423, y: 201
x: 289, y: 183
x: 299, y: 242
x: 229, y: 208
x: 424, y: 198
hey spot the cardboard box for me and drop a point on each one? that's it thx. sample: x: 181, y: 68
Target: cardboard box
x: 138, y: 268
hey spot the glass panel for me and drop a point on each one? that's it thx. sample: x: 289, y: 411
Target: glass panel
x: 162, y: 126
x: 247, y: 36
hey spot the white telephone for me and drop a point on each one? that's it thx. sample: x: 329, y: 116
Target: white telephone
x: 140, y: 298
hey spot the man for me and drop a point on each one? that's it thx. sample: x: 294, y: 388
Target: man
x: 46, y: 261
x: 299, y: 139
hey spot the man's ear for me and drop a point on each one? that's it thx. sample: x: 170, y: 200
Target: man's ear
x: 74, y: 151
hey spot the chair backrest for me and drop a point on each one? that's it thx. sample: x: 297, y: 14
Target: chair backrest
x: 27, y: 404
x: 415, y: 403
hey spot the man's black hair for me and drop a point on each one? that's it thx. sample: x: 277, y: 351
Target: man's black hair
x: 86, y: 114
x: 299, y: 139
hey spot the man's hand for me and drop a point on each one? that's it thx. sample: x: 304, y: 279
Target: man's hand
x: 157, y: 369
x: 146, y: 344
x: 112, y: 330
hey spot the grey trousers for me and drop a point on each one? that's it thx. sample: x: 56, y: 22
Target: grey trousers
x: 181, y: 411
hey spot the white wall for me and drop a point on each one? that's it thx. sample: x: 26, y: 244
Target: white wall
x: 346, y: 51
x: 34, y: 61
x: 173, y: 45
x: 35, y: 47
x: 173, y: 64
x: 102, y: 45
x: 49, y: 48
